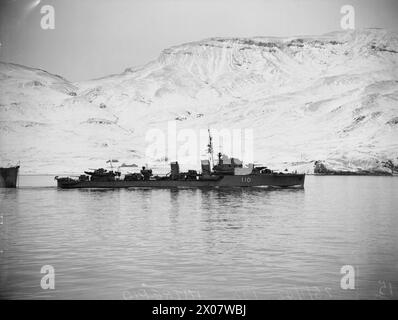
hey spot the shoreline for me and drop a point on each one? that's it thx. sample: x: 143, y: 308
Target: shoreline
x: 308, y: 174
x: 379, y: 174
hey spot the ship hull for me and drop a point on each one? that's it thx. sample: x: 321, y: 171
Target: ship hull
x: 8, y: 177
x: 265, y: 180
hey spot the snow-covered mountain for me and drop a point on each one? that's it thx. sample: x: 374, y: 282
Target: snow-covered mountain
x: 332, y: 98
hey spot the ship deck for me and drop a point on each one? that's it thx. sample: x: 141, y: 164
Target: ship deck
x: 273, y: 180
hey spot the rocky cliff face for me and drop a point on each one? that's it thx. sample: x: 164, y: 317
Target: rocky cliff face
x: 330, y: 98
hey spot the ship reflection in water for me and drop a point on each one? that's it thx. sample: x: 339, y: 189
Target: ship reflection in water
x: 237, y: 243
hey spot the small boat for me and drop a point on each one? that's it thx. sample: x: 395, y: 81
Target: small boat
x: 9, y: 177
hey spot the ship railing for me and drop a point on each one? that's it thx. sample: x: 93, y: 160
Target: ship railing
x: 66, y: 176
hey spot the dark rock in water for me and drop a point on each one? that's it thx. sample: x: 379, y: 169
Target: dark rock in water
x: 389, y: 164
x: 320, y: 168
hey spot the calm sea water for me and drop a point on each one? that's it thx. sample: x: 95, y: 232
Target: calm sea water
x: 201, y: 244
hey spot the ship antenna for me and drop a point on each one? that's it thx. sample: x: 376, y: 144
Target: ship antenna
x: 210, y: 148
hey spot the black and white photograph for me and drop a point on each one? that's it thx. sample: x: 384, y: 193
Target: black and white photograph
x: 201, y: 150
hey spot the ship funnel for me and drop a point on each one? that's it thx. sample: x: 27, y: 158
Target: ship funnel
x: 175, y: 170
x: 205, y: 167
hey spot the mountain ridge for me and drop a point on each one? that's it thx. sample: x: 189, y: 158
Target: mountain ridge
x: 330, y: 98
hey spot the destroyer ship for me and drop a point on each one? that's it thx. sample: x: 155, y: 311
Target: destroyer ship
x: 226, y: 173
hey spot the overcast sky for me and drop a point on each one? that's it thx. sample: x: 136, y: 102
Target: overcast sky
x: 94, y: 38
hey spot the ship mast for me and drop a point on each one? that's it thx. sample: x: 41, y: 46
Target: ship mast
x: 210, y: 148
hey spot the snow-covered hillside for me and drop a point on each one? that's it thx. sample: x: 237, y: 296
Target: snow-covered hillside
x: 332, y: 98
